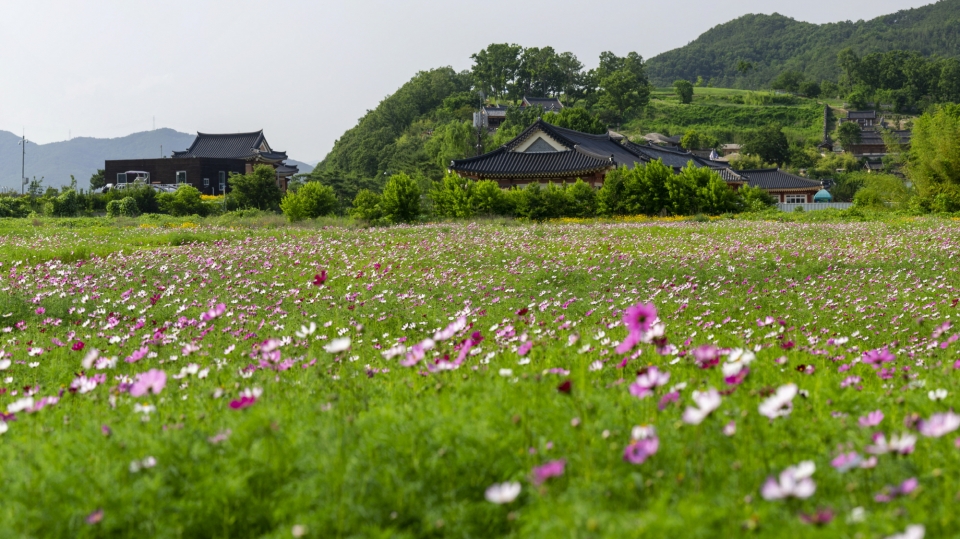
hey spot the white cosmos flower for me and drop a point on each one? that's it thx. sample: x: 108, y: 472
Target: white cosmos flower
x: 502, y: 493
x: 304, y: 330
x: 914, y: 531
x: 4, y: 364
x: 706, y: 401
x: 780, y: 404
x: 3, y: 427
x: 937, y: 394
x: 20, y: 405
x: 506, y: 372
x: 795, y: 482
x: 736, y: 361
x: 338, y: 345
x: 88, y: 359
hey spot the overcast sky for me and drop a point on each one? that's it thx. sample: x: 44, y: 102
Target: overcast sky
x: 304, y: 70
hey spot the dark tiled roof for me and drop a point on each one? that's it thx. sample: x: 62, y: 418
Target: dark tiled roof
x: 229, y: 146
x: 670, y: 157
x: 876, y: 137
x: 502, y: 162
x: 548, y: 103
x: 286, y: 170
x: 584, y: 152
x: 861, y: 115
x: 495, y: 112
x: 774, y: 178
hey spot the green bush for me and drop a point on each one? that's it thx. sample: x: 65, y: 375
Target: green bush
x: 312, y: 200
x: 754, y: 199
x: 66, y: 204
x: 256, y: 190
x: 366, y: 206
x: 400, y: 200
x: 184, y: 201
x: 126, y: 207
x: 14, y: 206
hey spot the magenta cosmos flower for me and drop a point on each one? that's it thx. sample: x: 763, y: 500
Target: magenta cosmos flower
x: 871, y: 420
x: 553, y: 468
x: 644, y: 445
x: 151, y: 381
x: 638, y: 319
x: 320, y: 278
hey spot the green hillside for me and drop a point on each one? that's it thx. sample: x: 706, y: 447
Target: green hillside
x: 728, y: 114
x: 774, y: 43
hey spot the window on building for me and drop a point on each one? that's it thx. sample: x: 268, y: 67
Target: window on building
x: 181, y: 176
x: 121, y: 178
x: 796, y: 199
x: 206, y: 182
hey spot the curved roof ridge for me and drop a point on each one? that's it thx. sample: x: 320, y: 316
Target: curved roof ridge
x: 596, y: 155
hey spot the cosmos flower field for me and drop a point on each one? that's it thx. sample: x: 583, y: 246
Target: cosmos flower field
x: 661, y: 379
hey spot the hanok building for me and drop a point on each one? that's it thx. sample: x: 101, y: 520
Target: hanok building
x: 872, y: 144
x: 783, y: 186
x: 546, y: 153
x: 206, y: 164
x: 491, y: 116
x: 548, y: 104
x: 866, y: 118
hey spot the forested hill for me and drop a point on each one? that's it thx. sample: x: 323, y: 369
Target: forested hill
x: 774, y: 43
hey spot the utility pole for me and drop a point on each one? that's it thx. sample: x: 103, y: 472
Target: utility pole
x: 23, y: 158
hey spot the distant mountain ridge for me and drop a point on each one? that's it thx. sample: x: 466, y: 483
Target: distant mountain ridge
x: 82, y: 156
x: 774, y: 43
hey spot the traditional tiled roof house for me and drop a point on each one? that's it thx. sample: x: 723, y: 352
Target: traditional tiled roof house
x: 548, y: 104
x: 546, y: 153
x: 207, y: 163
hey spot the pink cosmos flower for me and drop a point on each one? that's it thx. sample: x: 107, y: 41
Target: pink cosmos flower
x: 647, y: 381
x: 850, y: 381
x: 890, y: 492
x: 151, y: 381
x: 939, y: 425
x: 794, y: 482
x: 706, y: 356
x: 871, y: 420
x: 821, y: 517
x: 673, y: 396
x: 553, y: 468
x: 846, y: 461
x: 95, y: 517
x: 525, y: 348
x: 876, y: 358
x: 137, y: 355
x: 640, y: 317
x: 730, y: 428
x: 216, y: 312
x: 644, y: 445
x: 638, y: 320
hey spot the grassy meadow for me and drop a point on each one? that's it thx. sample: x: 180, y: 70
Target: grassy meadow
x: 658, y: 378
